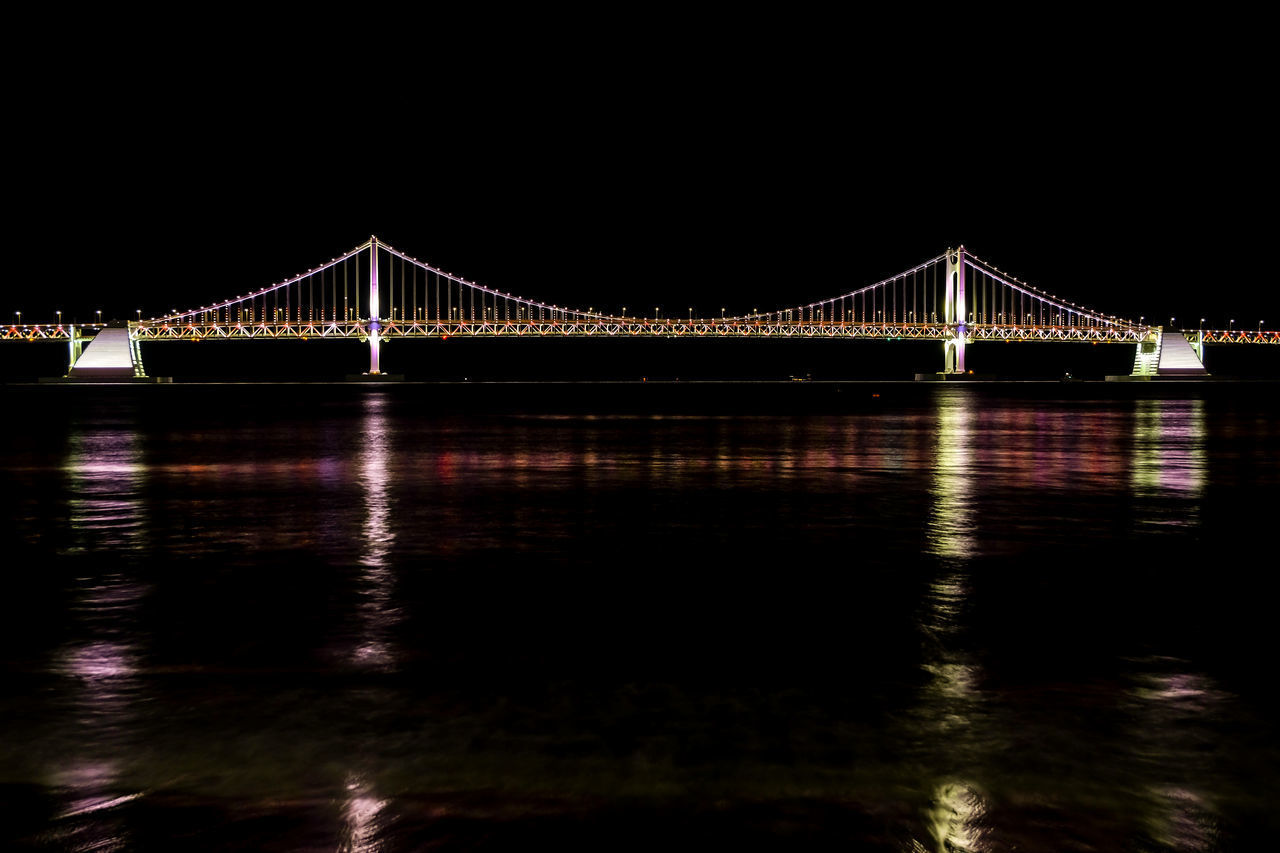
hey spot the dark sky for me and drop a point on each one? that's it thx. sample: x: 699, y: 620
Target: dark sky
x: 743, y: 163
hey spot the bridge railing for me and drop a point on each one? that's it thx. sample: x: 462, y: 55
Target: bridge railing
x: 50, y: 332
x: 629, y: 326
x: 1236, y: 336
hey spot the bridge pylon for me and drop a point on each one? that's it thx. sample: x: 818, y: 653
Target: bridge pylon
x: 375, y: 326
x: 954, y: 316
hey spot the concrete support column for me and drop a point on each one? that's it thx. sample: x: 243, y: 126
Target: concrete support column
x: 953, y: 356
x: 375, y: 345
x: 135, y: 352
x: 75, y: 346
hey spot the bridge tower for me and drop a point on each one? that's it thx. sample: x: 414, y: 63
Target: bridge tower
x: 953, y: 347
x: 375, y: 326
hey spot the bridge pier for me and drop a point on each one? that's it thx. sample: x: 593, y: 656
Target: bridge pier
x: 75, y: 346
x: 375, y: 346
x: 953, y: 354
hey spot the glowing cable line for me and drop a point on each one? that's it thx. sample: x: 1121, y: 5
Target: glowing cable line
x: 529, y: 303
x: 833, y: 299
x: 979, y: 265
x: 264, y: 291
x: 562, y: 315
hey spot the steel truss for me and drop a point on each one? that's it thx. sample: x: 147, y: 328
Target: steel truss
x: 1237, y: 336
x: 615, y: 327
x: 45, y: 333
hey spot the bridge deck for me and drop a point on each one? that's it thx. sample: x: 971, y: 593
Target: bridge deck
x: 619, y: 328
x: 628, y: 327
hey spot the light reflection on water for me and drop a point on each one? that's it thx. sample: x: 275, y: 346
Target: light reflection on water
x: 104, y: 690
x: 1182, y: 819
x: 1169, y: 464
x: 362, y: 814
x: 383, y: 518
x: 949, y: 699
x: 108, y: 517
x: 105, y: 475
x: 376, y: 608
x: 1175, y: 710
x: 951, y: 521
x: 956, y: 819
x: 952, y: 719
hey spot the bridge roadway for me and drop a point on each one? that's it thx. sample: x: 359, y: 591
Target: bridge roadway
x: 605, y: 327
x: 628, y: 327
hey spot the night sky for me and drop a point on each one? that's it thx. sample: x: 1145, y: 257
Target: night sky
x: 718, y: 163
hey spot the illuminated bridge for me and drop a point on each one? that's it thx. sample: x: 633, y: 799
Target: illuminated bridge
x: 376, y: 293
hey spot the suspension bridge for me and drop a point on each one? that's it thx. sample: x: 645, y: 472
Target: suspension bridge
x: 375, y: 293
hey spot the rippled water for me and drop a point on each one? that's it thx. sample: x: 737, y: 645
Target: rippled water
x: 882, y: 617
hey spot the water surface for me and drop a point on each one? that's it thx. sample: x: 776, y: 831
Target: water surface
x: 884, y: 617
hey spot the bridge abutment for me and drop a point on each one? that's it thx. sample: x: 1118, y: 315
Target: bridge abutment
x: 113, y: 355
x: 75, y: 347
